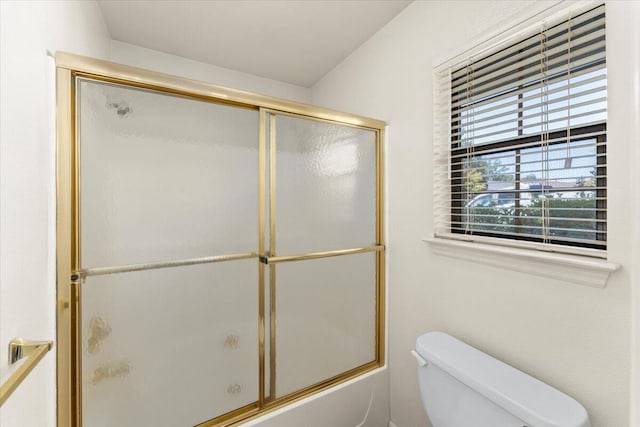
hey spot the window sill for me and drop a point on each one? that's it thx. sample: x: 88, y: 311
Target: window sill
x: 571, y: 268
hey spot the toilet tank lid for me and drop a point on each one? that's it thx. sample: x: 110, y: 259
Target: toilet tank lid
x: 527, y: 398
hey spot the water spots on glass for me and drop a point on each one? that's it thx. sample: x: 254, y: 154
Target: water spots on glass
x: 99, y: 330
x: 110, y: 370
x: 232, y: 341
x: 122, y: 108
x: 234, y: 389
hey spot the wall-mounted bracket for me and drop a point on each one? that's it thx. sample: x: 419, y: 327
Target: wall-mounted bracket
x: 19, y: 348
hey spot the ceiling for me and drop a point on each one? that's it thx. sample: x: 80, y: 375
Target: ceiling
x: 292, y: 41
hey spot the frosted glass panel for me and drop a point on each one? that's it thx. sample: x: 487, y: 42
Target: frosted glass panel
x: 326, y: 186
x: 170, y: 347
x: 325, y: 319
x: 164, y: 177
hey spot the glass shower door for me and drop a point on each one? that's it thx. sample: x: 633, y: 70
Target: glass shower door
x: 168, y: 254
x: 323, y: 251
x: 225, y: 260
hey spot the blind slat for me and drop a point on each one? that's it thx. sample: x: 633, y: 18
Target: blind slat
x: 497, y: 163
x: 537, y: 124
x: 475, y: 150
x: 559, y: 238
x: 595, y: 15
x: 548, y: 191
x: 523, y: 71
x: 513, y: 82
x: 522, y: 110
x: 594, y: 84
x: 550, y: 82
x: 527, y: 56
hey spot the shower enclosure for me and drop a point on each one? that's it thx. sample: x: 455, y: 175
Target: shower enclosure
x: 220, y: 253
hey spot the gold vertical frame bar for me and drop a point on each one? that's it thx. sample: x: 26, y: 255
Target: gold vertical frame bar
x: 67, y: 254
x: 380, y: 255
x: 262, y: 158
x: 65, y: 372
x: 76, y: 259
x: 272, y: 252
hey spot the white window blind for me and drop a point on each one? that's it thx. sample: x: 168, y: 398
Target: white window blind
x: 520, y: 140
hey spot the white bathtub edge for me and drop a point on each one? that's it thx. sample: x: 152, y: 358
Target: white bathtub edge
x: 258, y: 422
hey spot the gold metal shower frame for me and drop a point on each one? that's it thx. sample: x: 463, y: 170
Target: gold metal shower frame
x: 69, y: 68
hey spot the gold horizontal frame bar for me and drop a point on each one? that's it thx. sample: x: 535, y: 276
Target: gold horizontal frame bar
x: 326, y: 254
x: 151, y: 79
x: 231, y: 417
x: 101, y: 271
x: 34, y: 351
x: 275, y: 112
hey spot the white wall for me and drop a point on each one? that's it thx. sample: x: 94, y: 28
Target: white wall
x: 27, y: 246
x: 634, y: 160
x: 574, y: 337
x: 137, y: 56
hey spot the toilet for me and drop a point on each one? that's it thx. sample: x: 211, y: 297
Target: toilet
x: 462, y: 386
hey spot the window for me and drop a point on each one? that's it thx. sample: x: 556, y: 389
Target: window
x: 521, y: 139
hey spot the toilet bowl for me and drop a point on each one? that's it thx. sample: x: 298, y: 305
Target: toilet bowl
x: 462, y: 386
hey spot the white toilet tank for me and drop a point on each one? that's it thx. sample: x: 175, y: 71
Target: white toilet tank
x: 462, y: 387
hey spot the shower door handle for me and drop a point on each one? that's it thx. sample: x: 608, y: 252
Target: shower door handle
x: 266, y: 259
